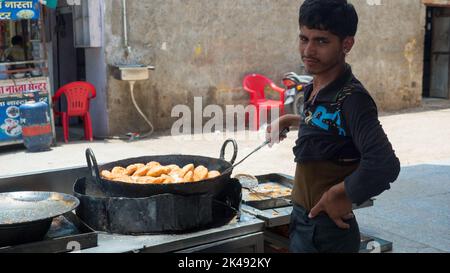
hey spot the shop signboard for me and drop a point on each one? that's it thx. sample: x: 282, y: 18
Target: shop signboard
x: 11, y: 97
x: 19, y: 9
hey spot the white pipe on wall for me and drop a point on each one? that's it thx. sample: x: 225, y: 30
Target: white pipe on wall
x: 125, y: 27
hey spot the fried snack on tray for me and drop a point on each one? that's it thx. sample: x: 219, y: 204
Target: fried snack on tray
x: 155, y: 173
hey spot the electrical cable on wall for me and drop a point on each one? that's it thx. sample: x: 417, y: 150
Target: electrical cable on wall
x: 140, y: 112
x: 131, y: 73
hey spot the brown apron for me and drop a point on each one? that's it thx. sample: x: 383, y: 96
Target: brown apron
x: 313, y: 179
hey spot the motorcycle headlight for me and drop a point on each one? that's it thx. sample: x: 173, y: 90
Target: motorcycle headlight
x: 289, y: 100
x: 290, y: 92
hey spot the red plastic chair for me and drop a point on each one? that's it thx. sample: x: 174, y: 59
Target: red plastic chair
x: 255, y: 85
x: 78, y: 96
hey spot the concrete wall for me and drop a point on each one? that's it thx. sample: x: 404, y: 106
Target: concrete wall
x: 437, y: 3
x: 96, y: 73
x: 388, y: 56
x: 205, y: 48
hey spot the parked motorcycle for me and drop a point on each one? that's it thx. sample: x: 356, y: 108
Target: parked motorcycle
x: 294, y: 95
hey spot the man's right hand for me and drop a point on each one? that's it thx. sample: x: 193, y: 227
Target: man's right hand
x: 277, y: 127
x: 274, y: 130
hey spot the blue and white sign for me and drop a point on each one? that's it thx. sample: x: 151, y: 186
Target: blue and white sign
x: 11, y: 99
x: 19, y: 9
x: 10, y: 128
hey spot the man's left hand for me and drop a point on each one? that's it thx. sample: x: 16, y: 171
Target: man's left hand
x: 336, y: 204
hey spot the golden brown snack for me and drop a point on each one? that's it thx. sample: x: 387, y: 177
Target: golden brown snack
x: 139, y: 165
x: 175, y: 173
x: 131, y: 169
x: 124, y: 178
x: 158, y: 180
x: 142, y: 171
x: 118, y: 171
x: 186, y: 169
x: 158, y: 171
x: 173, y: 168
x: 155, y: 173
x: 189, y: 177
x: 213, y: 174
x: 107, y: 175
x: 176, y: 177
x: 200, y: 173
x: 168, y: 179
x: 152, y: 164
x: 143, y: 179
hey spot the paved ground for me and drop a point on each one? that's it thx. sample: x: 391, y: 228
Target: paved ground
x: 414, y: 214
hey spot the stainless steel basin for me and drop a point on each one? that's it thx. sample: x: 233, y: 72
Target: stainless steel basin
x: 132, y: 72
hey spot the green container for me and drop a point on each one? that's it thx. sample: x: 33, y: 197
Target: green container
x: 52, y: 4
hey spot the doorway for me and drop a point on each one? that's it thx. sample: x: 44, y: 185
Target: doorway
x: 69, y: 61
x: 437, y: 53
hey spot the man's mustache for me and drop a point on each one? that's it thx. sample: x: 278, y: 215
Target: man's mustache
x: 305, y: 58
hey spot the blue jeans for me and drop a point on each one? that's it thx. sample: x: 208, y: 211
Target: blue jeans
x: 321, y: 234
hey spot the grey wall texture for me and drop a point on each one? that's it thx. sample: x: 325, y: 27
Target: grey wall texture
x: 96, y: 74
x: 388, y: 55
x: 205, y: 48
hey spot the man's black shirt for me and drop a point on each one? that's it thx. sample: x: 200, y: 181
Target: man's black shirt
x: 357, y: 135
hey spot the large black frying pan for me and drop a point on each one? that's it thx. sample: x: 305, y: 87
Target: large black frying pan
x: 27, y: 216
x: 211, y: 186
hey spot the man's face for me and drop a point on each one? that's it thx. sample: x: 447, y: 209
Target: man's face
x: 321, y: 50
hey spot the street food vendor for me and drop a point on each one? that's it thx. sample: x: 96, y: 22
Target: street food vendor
x: 342, y: 153
x: 16, y: 53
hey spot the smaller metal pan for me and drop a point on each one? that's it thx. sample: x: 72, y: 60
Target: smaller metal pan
x: 27, y: 216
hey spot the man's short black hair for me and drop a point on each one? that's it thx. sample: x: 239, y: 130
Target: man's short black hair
x: 336, y: 16
x: 17, y: 40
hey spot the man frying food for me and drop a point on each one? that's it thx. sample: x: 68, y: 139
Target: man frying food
x: 342, y: 153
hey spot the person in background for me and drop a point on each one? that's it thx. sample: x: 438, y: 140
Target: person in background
x: 16, y: 53
x: 3, y: 68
